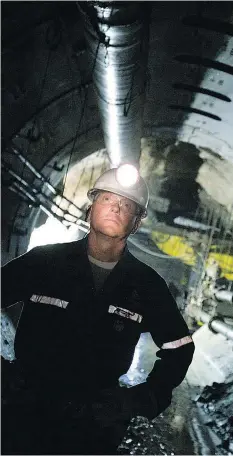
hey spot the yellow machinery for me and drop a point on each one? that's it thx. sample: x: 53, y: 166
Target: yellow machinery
x: 178, y: 246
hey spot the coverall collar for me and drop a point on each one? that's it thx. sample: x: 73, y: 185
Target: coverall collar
x: 119, y: 272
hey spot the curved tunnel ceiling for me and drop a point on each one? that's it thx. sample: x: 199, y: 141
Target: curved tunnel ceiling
x: 50, y: 114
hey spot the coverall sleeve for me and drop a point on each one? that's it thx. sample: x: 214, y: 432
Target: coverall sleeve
x: 17, y: 278
x: 170, y: 333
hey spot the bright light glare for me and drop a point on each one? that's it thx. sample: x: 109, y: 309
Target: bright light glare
x: 127, y: 175
x: 113, y: 133
x: 51, y: 232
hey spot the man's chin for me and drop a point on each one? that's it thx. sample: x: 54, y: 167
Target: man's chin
x: 110, y: 230
x: 111, y: 233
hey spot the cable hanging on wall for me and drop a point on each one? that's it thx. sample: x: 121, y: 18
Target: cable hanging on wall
x: 101, y: 39
x: 78, y: 130
x: 11, y: 231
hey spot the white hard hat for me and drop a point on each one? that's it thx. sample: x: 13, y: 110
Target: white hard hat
x: 110, y: 181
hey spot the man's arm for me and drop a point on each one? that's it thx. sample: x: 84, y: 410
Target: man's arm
x: 170, y: 333
x: 17, y: 278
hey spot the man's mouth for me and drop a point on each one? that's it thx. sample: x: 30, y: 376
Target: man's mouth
x: 112, y: 219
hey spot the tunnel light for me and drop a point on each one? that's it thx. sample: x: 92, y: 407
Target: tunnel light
x: 127, y: 175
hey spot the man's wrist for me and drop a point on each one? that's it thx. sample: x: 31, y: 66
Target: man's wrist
x: 143, y: 401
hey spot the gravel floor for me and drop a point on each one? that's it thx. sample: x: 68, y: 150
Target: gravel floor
x: 168, y: 434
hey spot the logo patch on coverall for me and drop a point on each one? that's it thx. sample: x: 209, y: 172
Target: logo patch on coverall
x: 118, y: 325
x: 125, y: 313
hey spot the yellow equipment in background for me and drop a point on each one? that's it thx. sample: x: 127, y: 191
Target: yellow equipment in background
x: 178, y: 246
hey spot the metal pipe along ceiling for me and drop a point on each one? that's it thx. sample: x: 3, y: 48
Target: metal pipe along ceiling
x: 117, y: 41
x: 217, y: 325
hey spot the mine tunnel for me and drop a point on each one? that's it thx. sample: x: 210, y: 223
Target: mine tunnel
x: 88, y: 86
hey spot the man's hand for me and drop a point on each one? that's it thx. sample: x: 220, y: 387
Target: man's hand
x: 111, y: 406
x: 119, y: 403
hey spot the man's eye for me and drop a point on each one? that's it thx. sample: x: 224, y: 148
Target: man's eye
x: 106, y: 198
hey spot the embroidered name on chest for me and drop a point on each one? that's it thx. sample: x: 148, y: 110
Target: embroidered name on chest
x: 125, y: 313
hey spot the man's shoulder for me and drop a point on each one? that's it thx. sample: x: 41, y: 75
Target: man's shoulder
x: 144, y: 271
x: 50, y: 250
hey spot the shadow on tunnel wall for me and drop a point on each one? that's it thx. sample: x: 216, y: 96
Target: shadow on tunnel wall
x: 179, y: 185
x: 186, y: 39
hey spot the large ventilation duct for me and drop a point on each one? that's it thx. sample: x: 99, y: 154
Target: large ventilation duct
x: 117, y: 41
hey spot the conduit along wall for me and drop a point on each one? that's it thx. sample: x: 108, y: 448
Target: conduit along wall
x: 116, y: 34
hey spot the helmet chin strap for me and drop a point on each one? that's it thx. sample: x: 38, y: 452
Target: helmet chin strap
x: 136, y: 225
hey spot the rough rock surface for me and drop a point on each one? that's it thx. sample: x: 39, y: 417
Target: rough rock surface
x: 168, y: 434
x: 216, y: 405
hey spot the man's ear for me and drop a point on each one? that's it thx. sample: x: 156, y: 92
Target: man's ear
x: 137, y: 224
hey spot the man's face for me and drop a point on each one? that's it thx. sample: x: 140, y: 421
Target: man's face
x: 113, y: 215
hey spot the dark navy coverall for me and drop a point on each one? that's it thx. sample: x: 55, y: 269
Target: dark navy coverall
x: 72, y: 343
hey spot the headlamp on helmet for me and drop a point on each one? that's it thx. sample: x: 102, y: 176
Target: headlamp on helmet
x: 127, y: 175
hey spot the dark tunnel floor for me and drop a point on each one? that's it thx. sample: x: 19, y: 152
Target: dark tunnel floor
x: 167, y: 434
x: 199, y: 421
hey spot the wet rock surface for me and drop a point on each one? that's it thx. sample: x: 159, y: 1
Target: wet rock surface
x: 199, y: 421
x: 216, y: 406
x: 145, y: 437
x: 167, y: 434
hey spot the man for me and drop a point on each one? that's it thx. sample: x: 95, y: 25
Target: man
x: 85, y: 305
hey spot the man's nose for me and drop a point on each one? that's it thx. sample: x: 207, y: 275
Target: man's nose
x: 115, y: 206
